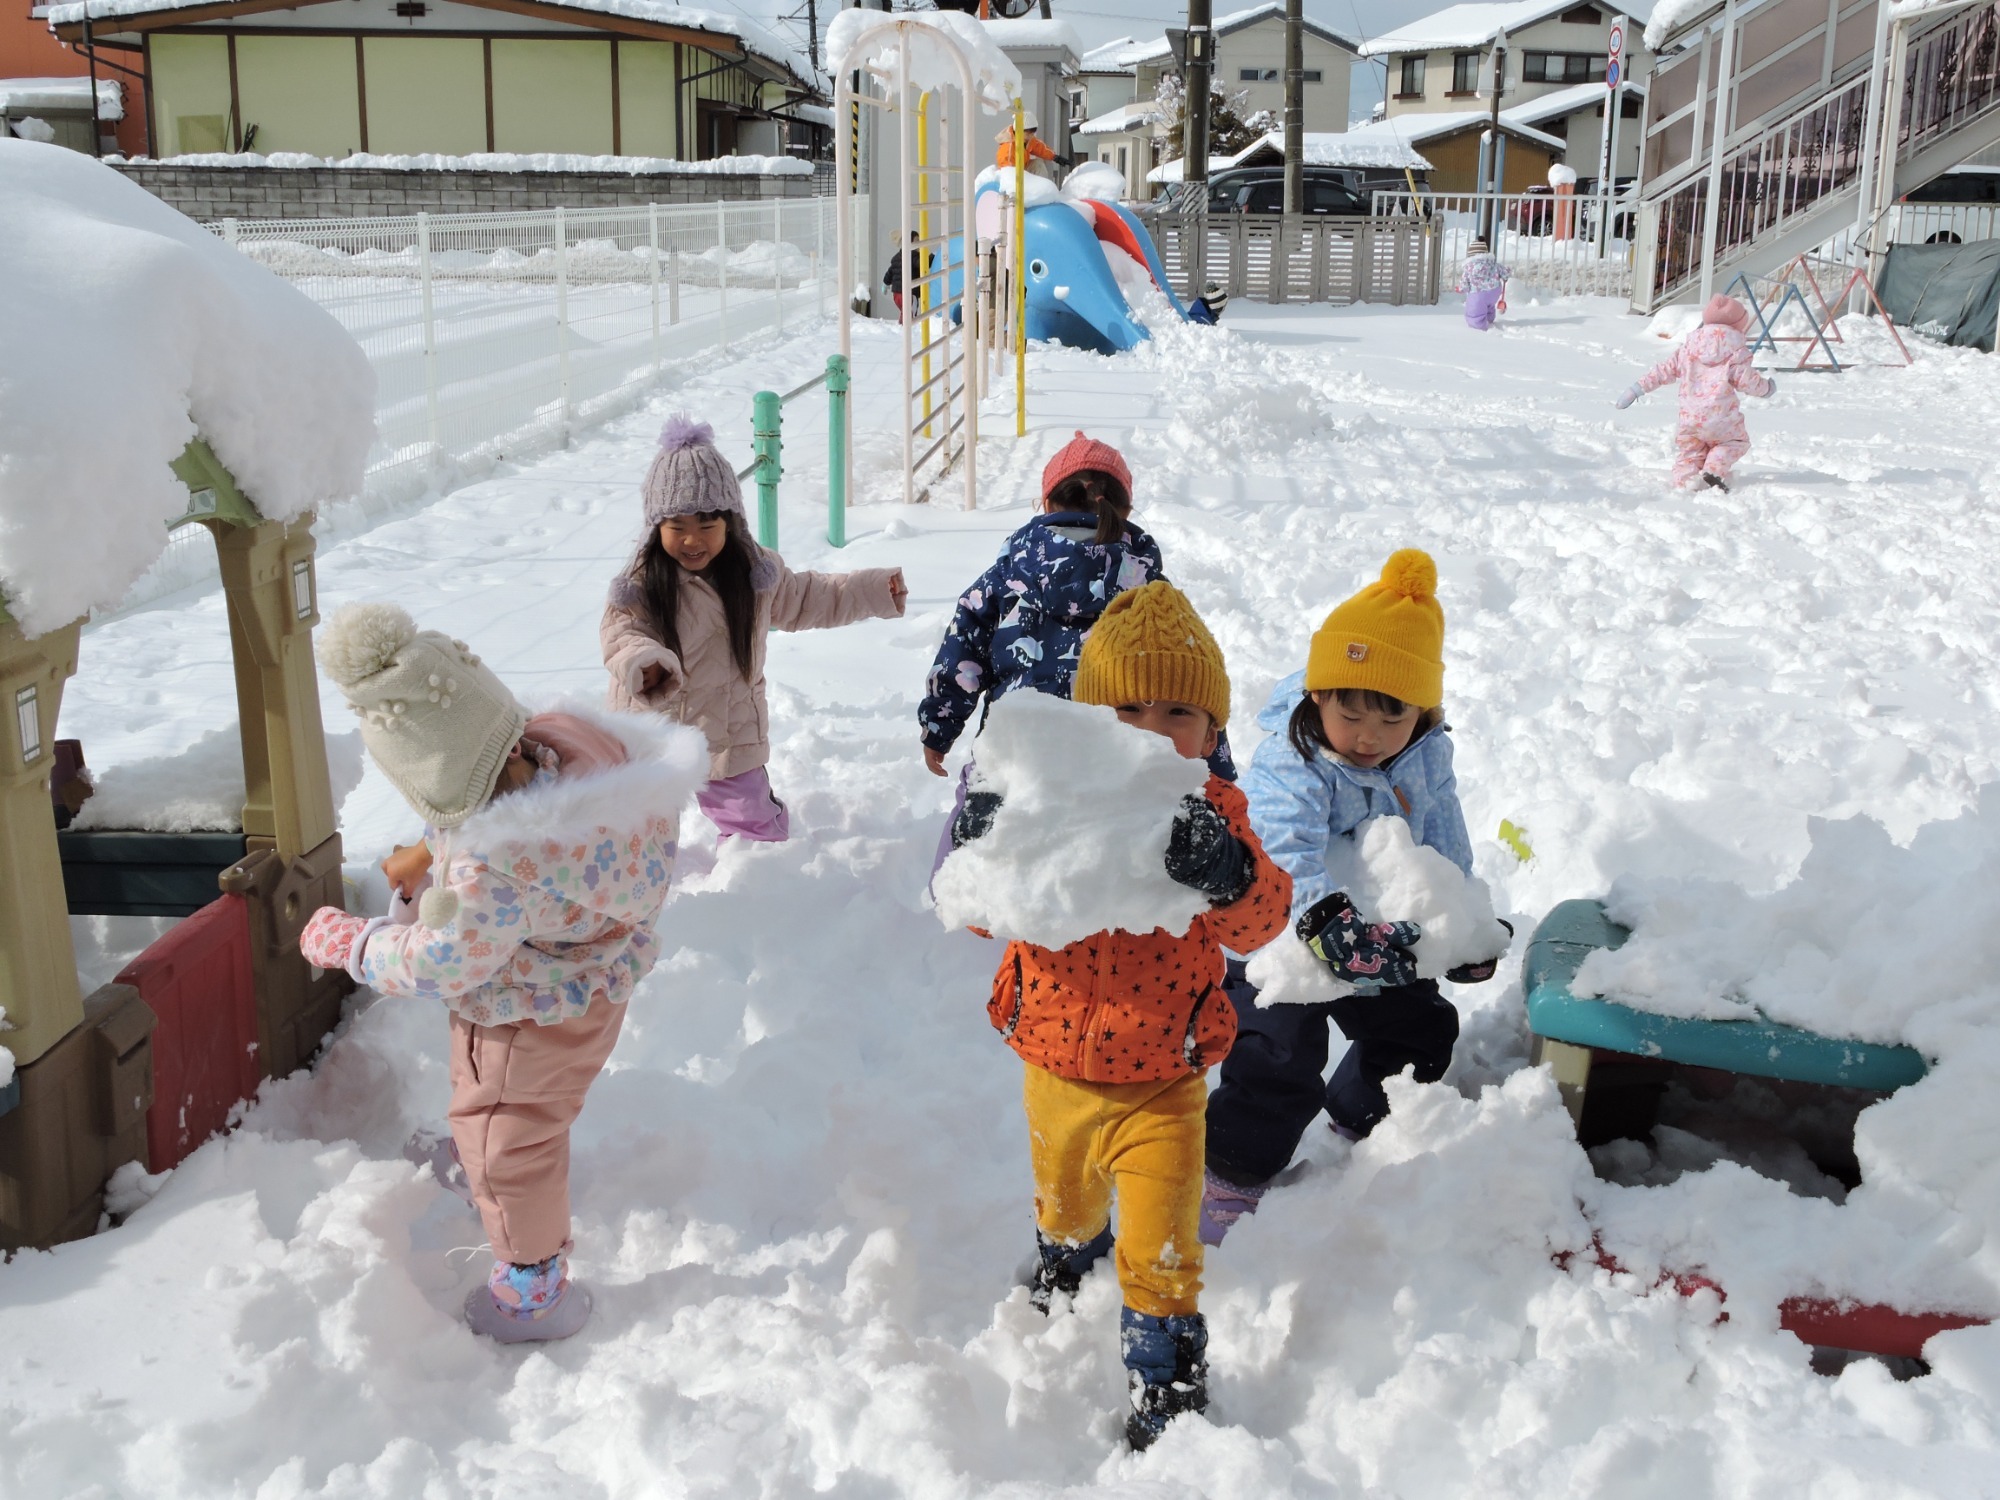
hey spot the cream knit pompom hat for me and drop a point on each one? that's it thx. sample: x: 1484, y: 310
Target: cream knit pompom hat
x: 436, y: 719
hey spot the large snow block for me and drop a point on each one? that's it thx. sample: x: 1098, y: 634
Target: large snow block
x: 198, y: 981
x: 1573, y: 928
x: 143, y: 874
x: 82, y: 1115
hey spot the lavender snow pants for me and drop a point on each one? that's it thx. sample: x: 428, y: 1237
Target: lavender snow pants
x: 1482, y: 305
x: 743, y: 806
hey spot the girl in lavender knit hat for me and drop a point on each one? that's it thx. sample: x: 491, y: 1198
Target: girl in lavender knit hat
x: 683, y: 632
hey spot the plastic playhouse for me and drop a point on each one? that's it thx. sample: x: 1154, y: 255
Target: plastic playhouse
x: 147, y: 1067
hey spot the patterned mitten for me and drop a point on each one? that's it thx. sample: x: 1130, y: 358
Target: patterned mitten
x: 330, y: 936
x: 1370, y: 956
x: 1204, y: 855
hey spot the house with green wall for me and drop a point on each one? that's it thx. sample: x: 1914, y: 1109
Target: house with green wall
x: 451, y: 77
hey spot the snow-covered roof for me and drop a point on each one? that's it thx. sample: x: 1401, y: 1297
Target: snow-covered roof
x: 1475, y: 25
x: 1032, y: 31
x: 1676, y: 15
x: 501, y: 161
x: 1109, y: 58
x: 131, y: 330
x: 1341, y: 148
x: 1555, y: 105
x: 68, y: 94
x: 756, y: 39
x: 994, y: 77
x: 1125, y: 117
x: 1170, y: 171
x: 1235, y: 21
x: 1418, y: 128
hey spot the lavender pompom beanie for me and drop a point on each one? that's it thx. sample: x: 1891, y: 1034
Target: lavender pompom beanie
x: 689, y: 474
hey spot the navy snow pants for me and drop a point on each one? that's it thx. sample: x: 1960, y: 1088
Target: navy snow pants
x: 1272, y: 1085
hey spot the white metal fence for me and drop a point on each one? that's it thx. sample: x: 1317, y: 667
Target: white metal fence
x: 494, y: 336
x: 1544, y: 246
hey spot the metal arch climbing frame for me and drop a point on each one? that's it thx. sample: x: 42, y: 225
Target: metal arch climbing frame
x: 941, y: 409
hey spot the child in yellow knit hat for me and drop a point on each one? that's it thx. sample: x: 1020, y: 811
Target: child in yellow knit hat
x: 1117, y: 1031
x: 1358, y: 734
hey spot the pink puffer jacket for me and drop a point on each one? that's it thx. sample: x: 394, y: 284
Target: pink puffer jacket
x: 1712, y: 365
x: 702, y: 686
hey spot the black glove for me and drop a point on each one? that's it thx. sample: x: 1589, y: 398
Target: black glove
x: 975, y: 818
x: 1371, y: 956
x: 1065, y: 162
x: 1205, y: 856
x: 1480, y: 972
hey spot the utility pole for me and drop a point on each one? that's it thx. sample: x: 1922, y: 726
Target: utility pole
x: 1295, y: 107
x: 1200, y: 60
x: 1496, y: 153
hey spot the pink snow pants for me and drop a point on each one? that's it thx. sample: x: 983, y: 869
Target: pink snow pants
x: 1712, y: 445
x: 744, y: 806
x: 515, y: 1092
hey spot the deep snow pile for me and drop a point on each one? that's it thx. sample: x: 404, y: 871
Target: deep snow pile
x: 199, y: 789
x: 1079, y: 843
x: 129, y: 331
x: 1390, y: 878
x: 802, y: 1189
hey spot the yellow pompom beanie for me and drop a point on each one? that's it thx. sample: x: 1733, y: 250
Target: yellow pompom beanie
x: 1150, y: 645
x: 1388, y: 638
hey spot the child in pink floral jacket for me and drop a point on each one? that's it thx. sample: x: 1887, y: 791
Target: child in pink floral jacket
x: 552, y: 843
x: 1712, y: 365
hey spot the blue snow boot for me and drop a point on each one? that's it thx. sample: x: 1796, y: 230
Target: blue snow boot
x: 1061, y: 1268
x: 1166, y: 1360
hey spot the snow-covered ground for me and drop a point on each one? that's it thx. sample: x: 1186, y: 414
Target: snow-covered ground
x: 802, y: 1189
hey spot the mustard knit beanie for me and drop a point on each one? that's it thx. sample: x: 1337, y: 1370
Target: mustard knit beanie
x: 1388, y: 638
x: 1150, y: 645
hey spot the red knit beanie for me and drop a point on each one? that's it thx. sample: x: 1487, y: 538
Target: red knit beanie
x: 1081, y: 453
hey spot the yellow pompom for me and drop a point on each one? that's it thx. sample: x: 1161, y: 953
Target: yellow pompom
x: 1410, y: 573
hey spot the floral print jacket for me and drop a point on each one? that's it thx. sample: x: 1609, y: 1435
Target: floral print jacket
x: 546, y: 898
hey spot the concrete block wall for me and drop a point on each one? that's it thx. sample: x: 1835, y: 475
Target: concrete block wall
x: 211, y: 193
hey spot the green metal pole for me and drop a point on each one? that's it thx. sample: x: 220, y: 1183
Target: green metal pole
x: 836, y: 450
x: 767, y: 413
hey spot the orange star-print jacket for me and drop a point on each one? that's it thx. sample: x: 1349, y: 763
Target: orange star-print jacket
x: 1119, y: 1007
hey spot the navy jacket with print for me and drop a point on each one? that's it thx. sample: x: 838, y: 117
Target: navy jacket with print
x: 1022, y: 623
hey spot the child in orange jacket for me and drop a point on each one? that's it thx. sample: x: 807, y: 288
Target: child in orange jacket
x: 1118, y: 1030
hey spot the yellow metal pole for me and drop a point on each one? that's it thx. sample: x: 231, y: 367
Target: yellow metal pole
x: 919, y: 287
x: 1020, y: 273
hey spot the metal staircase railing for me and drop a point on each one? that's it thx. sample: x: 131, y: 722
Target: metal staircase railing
x: 1789, y: 176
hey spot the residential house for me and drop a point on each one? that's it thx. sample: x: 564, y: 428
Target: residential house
x: 450, y: 77
x: 1556, y: 56
x: 1249, y: 61
x: 41, y: 79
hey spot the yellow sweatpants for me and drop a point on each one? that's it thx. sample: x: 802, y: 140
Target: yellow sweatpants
x: 1146, y: 1141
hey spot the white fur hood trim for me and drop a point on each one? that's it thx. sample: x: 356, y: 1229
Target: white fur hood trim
x: 669, y: 763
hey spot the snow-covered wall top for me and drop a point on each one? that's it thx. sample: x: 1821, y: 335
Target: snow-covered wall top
x: 929, y: 34
x: 130, y: 330
x: 1035, y: 32
x: 63, y: 93
x: 496, y: 161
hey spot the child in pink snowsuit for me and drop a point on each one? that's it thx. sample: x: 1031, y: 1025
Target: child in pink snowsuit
x: 551, y: 842
x: 1712, y: 365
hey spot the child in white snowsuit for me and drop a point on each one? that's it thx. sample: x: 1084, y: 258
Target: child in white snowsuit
x: 1712, y: 365
x: 552, y: 844
x: 1484, y: 281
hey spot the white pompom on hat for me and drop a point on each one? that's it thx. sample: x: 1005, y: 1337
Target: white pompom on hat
x: 434, y: 717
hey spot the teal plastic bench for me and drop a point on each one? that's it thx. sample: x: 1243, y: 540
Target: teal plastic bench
x: 1568, y: 1029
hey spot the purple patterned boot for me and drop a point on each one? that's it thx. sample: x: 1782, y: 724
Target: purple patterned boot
x: 529, y: 1304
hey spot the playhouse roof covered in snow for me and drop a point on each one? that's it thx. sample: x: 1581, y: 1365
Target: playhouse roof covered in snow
x: 131, y: 330
x: 1475, y: 25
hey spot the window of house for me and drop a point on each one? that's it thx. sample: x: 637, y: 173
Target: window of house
x: 1628, y: 107
x: 1257, y: 75
x: 1411, y: 84
x: 1582, y: 15
x: 1124, y: 161
x: 1465, y: 72
x: 1562, y: 67
x: 1311, y: 75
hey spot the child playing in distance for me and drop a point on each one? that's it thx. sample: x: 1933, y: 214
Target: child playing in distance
x: 1358, y: 734
x: 1022, y: 622
x: 684, y: 630
x: 554, y: 840
x: 1712, y: 364
x: 1117, y: 1031
x: 1484, y: 281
